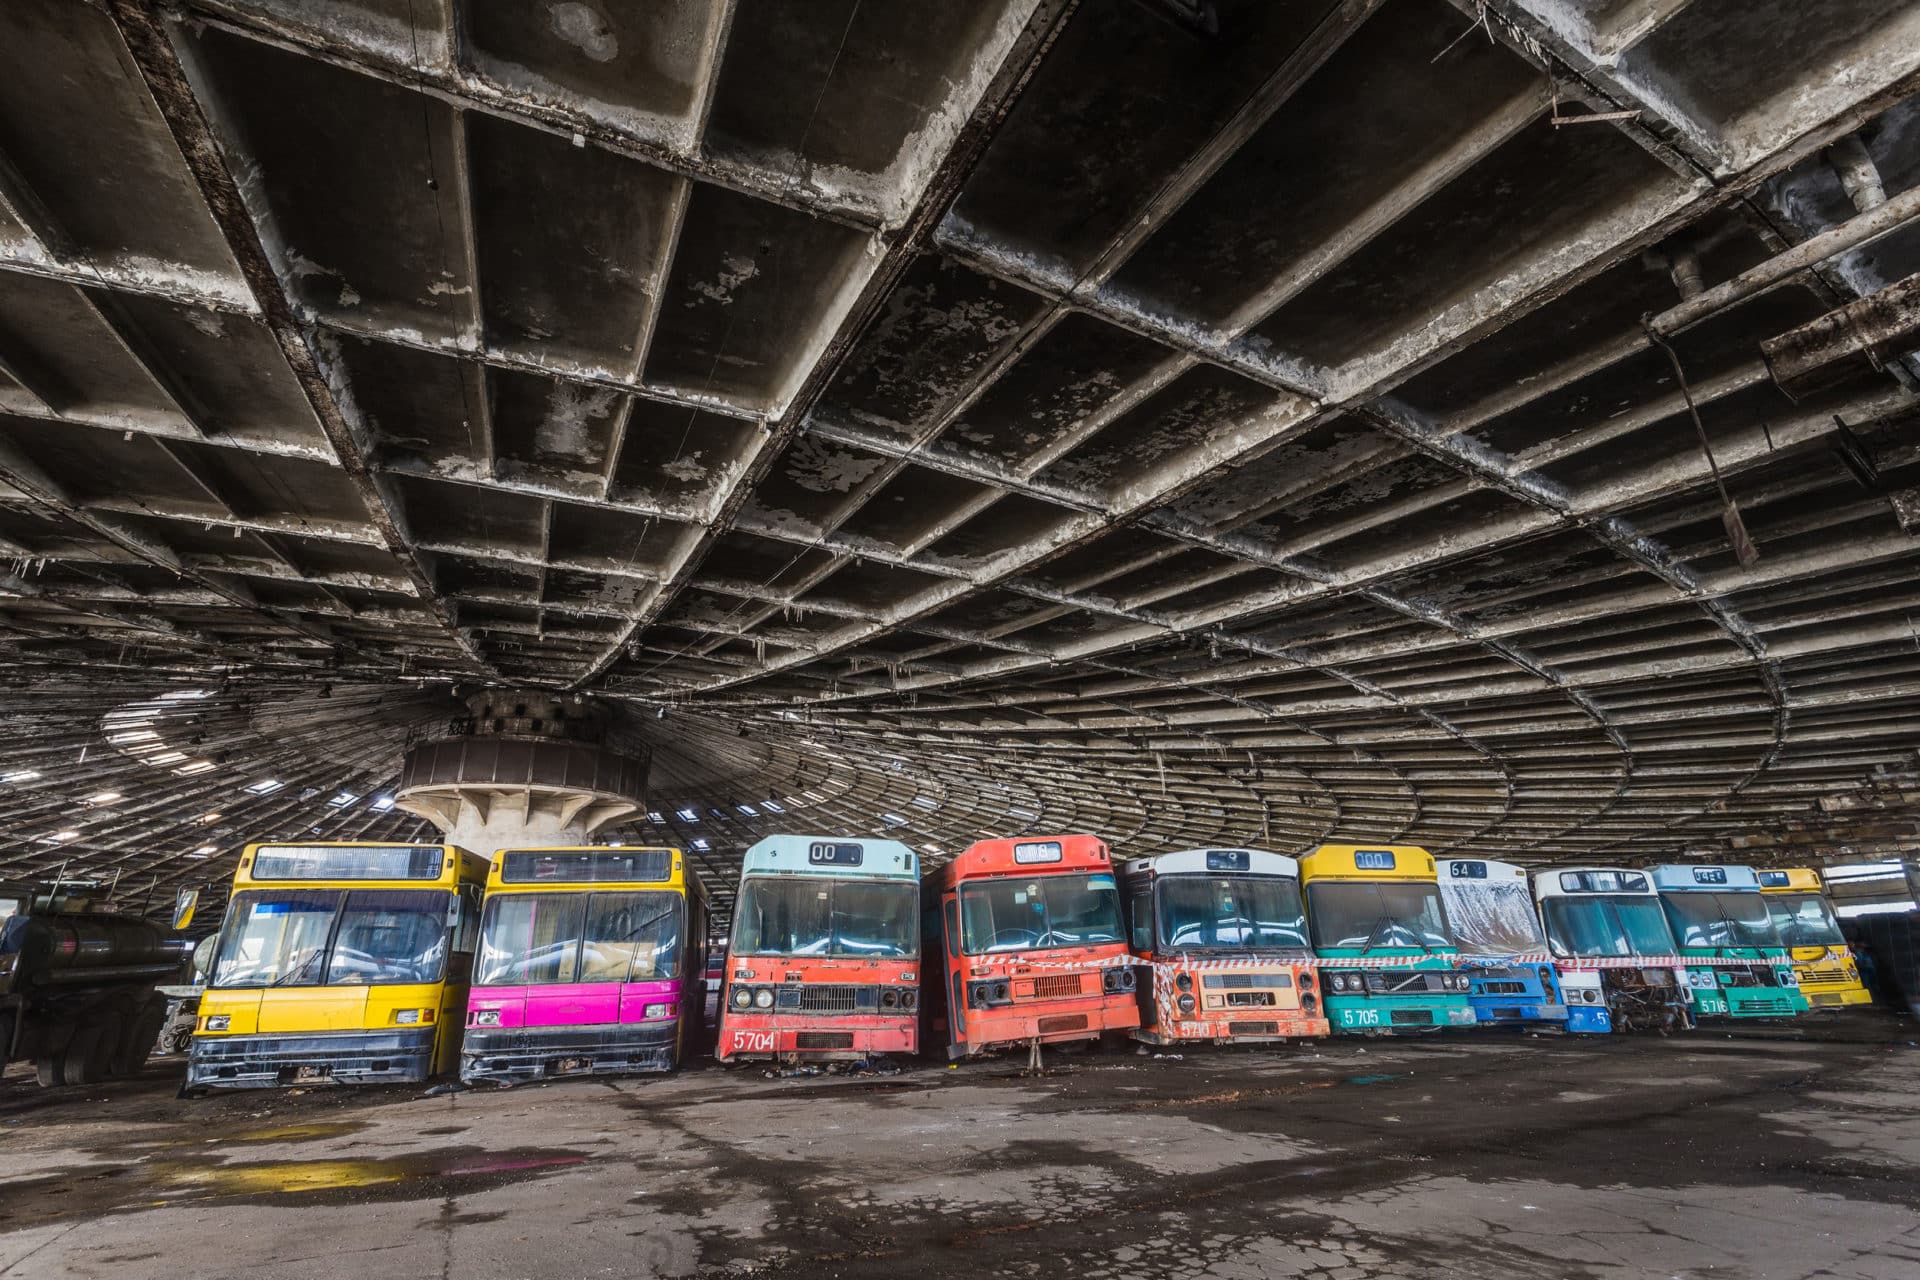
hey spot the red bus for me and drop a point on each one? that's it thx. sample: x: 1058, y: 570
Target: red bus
x: 1030, y: 944
x: 823, y: 964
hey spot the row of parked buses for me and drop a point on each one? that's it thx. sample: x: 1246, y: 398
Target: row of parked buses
x: 362, y: 962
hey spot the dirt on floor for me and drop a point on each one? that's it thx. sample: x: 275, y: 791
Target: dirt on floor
x: 1763, y: 1152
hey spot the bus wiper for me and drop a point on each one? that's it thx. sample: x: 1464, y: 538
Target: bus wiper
x: 296, y: 971
x: 1373, y: 933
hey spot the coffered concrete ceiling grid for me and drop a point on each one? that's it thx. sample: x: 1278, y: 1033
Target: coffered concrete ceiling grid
x: 1210, y: 421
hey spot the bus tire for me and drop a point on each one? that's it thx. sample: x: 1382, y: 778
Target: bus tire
x: 143, y: 1035
x: 87, y: 1055
x: 50, y: 1070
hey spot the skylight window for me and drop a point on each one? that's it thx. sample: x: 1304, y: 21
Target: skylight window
x: 893, y: 820
x: 381, y: 804
x: 344, y: 800
x: 749, y: 810
x: 60, y: 837
x: 688, y: 815
x: 104, y: 797
x: 266, y: 786
x: 206, y: 819
x: 167, y: 757
x: 198, y: 766
x: 186, y: 695
x: 134, y: 735
x: 654, y: 815
x: 20, y: 775
x: 204, y: 851
x: 774, y: 806
x: 701, y: 845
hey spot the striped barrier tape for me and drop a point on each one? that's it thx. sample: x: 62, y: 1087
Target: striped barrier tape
x: 1404, y: 962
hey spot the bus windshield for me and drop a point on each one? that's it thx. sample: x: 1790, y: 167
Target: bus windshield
x: 1045, y: 911
x: 331, y: 937
x: 1608, y: 925
x: 1237, y: 912
x: 1720, y: 919
x: 1492, y: 919
x: 815, y: 916
x: 615, y: 936
x: 1804, y: 920
x: 1365, y: 914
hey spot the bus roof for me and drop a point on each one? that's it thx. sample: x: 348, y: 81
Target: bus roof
x: 1702, y: 877
x: 289, y: 862
x: 1368, y: 862
x: 1025, y: 855
x: 1791, y: 880
x: 1257, y: 862
x: 844, y: 856
x: 1573, y: 881
x: 546, y: 868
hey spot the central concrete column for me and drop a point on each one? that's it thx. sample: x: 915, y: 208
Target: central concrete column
x: 522, y: 769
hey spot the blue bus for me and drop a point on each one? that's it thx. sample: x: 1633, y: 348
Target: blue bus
x: 1491, y: 914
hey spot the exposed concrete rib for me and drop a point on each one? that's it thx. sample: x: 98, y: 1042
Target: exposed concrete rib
x: 166, y: 80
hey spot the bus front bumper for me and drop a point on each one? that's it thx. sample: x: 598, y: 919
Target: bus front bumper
x: 1048, y: 1021
x: 1379, y: 1014
x: 520, y: 1054
x: 1835, y: 995
x: 1510, y: 1011
x: 1589, y: 1019
x: 336, y: 1057
x: 837, y: 1038
x: 1253, y: 1027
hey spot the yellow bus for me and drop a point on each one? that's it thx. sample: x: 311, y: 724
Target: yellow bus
x: 1387, y: 959
x: 1829, y: 976
x: 593, y: 961
x: 341, y: 962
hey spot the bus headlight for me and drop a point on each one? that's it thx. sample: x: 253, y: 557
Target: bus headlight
x: 763, y: 998
x: 1184, y: 982
x: 657, y: 1011
x: 742, y: 997
x: 1186, y: 1004
x: 1306, y: 980
x: 909, y: 998
x: 218, y: 1021
x: 889, y: 997
x: 486, y: 1017
x: 407, y: 1017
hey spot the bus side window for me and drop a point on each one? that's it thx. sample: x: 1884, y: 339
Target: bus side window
x: 953, y: 928
x: 465, y: 928
x: 1140, y: 916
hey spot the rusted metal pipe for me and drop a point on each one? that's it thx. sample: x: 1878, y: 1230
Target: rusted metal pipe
x: 1859, y: 176
x: 1857, y: 337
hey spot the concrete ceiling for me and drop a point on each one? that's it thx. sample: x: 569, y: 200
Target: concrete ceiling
x: 1188, y: 420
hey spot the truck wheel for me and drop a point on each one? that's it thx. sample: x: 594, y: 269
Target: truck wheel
x: 142, y: 1037
x: 87, y: 1055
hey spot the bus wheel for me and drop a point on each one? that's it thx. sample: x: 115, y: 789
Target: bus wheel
x: 85, y: 1060
x: 50, y: 1070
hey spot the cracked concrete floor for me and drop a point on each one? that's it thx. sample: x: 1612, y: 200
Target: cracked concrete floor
x: 1775, y: 1153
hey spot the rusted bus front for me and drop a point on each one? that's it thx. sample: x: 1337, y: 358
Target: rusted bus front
x: 1028, y: 944
x: 824, y: 963
x: 1224, y: 935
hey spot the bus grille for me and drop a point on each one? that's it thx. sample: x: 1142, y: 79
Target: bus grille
x: 1242, y: 981
x: 1769, y: 1004
x: 1389, y: 982
x: 1504, y: 988
x: 1411, y: 1017
x: 1065, y: 1022
x: 1241, y: 999
x: 1057, y: 985
x: 1826, y: 998
x: 823, y: 1040
x: 1253, y: 1028
x: 1827, y: 973
x: 828, y: 997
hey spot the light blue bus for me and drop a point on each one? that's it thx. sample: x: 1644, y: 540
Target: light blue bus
x: 1717, y: 913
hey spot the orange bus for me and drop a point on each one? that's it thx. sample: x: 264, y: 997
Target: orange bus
x: 1027, y: 935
